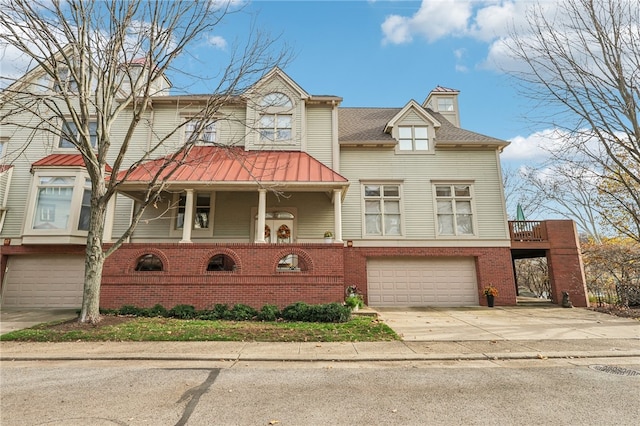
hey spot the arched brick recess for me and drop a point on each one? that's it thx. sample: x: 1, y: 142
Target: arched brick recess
x: 204, y: 261
x: 138, y: 254
x: 306, y: 258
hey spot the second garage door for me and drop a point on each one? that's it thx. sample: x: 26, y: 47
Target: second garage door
x: 44, y: 281
x: 449, y: 281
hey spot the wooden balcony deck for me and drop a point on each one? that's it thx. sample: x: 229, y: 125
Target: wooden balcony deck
x: 528, y: 234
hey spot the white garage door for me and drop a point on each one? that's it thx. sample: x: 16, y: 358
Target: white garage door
x: 51, y: 281
x: 422, y: 282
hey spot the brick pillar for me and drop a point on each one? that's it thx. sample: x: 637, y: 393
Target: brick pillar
x: 566, y: 271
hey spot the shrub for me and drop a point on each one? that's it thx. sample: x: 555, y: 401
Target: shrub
x: 183, y: 312
x: 158, y: 311
x: 269, y: 313
x: 241, y: 312
x: 129, y: 310
x: 221, y: 311
x: 330, y: 312
x: 295, y: 312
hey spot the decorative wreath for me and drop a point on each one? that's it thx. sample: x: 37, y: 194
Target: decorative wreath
x: 283, y: 232
x: 267, y: 231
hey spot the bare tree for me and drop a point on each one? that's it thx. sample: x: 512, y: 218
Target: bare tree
x: 581, y: 63
x: 108, y: 60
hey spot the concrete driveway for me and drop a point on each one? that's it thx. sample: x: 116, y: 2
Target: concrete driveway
x: 17, y: 319
x: 506, y: 323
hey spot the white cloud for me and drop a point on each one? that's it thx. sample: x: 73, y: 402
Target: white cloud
x: 536, y: 146
x: 434, y: 20
x: 217, y: 42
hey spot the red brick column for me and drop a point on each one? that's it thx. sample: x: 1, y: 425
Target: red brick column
x: 564, y: 259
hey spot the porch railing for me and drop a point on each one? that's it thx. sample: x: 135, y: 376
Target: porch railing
x: 528, y: 230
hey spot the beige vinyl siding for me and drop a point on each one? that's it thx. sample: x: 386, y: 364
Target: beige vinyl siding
x: 315, y: 214
x: 233, y: 214
x: 411, y: 118
x: 319, y: 143
x: 417, y: 174
x: 230, y: 129
x: 122, y: 217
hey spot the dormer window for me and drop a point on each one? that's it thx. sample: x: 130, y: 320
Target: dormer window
x: 70, y: 132
x: 200, y: 132
x: 413, y: 138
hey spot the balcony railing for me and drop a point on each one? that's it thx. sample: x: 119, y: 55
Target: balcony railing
x: 527, y: 230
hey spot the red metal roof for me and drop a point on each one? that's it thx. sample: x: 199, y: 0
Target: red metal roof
x: 5, y: 167
x: 210, y: 163
x: 62, y: 160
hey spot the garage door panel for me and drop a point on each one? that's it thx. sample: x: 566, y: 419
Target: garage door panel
x: 45, y: 281
x: 422, y: 282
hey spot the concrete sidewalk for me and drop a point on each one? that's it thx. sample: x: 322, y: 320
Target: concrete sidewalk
x: 429, y: 334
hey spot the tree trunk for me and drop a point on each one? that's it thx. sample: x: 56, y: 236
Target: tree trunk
x: 93, y: 263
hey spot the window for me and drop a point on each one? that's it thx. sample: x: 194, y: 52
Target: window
x: 382, y: 210
x: 85, y: 208
x: 276, y: 99
x: 70, y: 132
x: 201, y: 214
x: 445, y: 105
x: 53, y: 202
x: 413, y: 138
x: 455, y: 212
x: 62, y: 203
x: 67, y: 82
x: 292, y: 262
x: 275, y: 127
x: 200, y: 132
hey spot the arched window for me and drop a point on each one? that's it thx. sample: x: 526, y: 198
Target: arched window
x: 221, y: 262
x: 276, y: 99
x: 149, y: 262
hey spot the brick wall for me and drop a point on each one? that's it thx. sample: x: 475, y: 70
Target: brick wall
x: 255, y: 281
x: 493, y: 266
x: 566, y: 271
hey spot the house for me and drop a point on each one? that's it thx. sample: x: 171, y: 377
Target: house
x: 414, y: 202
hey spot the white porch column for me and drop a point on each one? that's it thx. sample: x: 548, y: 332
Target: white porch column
x: 188, y: 217
x: 107, y: 233
x: 262, y: 212
x: 337, y: 215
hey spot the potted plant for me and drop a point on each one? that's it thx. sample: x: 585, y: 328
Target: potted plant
x: 328, y: 236
x: 491, y: 292
x: 353, y: 298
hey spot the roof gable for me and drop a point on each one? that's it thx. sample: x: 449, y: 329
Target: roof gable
x: 412, y: 106
x: 277, y: 74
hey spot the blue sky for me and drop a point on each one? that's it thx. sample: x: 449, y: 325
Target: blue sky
x: 385, y: 53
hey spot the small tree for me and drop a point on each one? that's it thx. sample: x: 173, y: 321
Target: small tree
x: 108, y: 60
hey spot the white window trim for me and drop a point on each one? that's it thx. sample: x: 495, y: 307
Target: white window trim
x: 363, y: 225
x: 195, y: 232
x: 290, y: 109
x: 80, y: 177
x: 73, y: 148
x: 431, y: 135
x: 202, y: 141
x: 474, y: 217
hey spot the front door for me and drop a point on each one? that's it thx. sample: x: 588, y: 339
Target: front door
x: 278, y: 228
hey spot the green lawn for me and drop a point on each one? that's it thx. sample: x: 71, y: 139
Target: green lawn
x: 118, y: 328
